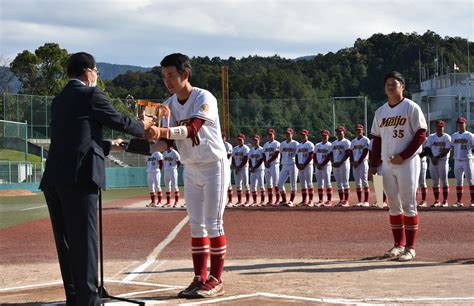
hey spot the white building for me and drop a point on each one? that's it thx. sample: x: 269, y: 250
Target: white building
x: 446, y: 98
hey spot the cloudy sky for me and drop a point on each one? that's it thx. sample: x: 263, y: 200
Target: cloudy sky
x: 141, y: 32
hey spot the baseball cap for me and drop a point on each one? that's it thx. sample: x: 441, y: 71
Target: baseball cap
x: 304, y: 132
x: 461, y: 120
x: 256, y: 137
x: 326, y: 132
x: 359, y: 127
x: 271, y: 131
x: 289, y: 130
x: 341, y: 128
x: 440, y: 123
x: 241, y: 136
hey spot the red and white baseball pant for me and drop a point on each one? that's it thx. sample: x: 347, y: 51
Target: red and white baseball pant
x: 461, y: 167
x: 341, y: 174
x: 171, y: 179
x: 361, y: 173
x: 288, y: 171
x: 423, y: 169
x: 323, y: 176
x: 440, y: 172
x: 256, y: 180
x: 154, y: 181
x: 272, y: 175
x: 242, y: 178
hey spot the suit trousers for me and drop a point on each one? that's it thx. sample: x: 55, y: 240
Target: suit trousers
x: 73, y: 212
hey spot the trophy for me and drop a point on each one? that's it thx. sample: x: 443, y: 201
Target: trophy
x: 140, y: 109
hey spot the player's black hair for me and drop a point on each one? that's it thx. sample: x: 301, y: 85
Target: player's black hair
x: 178, y: 60
x: 78, y: 62
x: 396, y: 75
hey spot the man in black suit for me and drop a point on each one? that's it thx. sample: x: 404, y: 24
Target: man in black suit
x: 75, y: 172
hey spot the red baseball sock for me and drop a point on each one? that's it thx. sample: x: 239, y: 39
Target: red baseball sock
x: 200, y: 252
x: 229, y: 195
x: 292, y: 196
x: 471, y: 189
x: 304, y: 194
x: 262, y: 196
x: 411, y: 229
x: 423, y: 193
x: 341, y: 194
x: 320, y: 193
x: 153, y: 197
x: 160, y: 195
x: 270, y: 195
x: 283, y: 196
x: 254, y: 196
x: 247, y: 196
x: 329, y: 193
x: 436, y: 193
x: 359, y: 194
x: 445, y: 193
x: 239, y: 196
x: 311, y: 192
x: 397, y: 229
x: 459, y: 193
x: 366, y: 194
x: 346, y: 194
x: 218, y: 251
x: 176, y: 196
x: 277, y: 195
x: 168, y: 197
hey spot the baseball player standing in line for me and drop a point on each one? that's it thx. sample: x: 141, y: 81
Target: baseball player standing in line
x: 271, y: 160
x: 304, y: 163
x: 256, y: 169
x: 171, y: 163
x: 399, y: 130
x: 422, y: 180
x: 341, y: 151
x: 322, y: 159
x: 437, y: 147
x: 360, y: 164
x: 228, y: 148
x: 195, y: 126
x: 241, y: 170
x: 462, y: 142
x: 154, y: 164
x: 288, y: 170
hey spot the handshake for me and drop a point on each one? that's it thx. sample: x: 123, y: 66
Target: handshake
x: 152, y: 132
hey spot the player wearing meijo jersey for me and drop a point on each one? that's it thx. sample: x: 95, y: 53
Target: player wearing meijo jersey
x: 422, y: 179
x: 438, y: 146
x: 271, y: 161
x: 462, y: 143
x: 194, y: 125
x: 154, y: 164
x: 304, y: 163
x: 322, y: 161
x: 399, y: 130
x: 241, y: 170
x: 288, y: 169
x: 360, y: 164
x: 170, y: 171
x: 256, y: 169
x: 228, y: 148
x: 341, y: 151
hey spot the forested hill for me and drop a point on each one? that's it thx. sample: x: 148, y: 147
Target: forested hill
x: 357, y: 70
x: 110, y: 71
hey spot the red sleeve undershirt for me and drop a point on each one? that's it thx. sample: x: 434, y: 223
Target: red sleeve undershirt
x: 375, y: 154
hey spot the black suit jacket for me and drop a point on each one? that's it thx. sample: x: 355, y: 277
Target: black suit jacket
x: 77, y: 150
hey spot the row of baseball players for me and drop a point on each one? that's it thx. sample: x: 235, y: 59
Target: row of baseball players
x: 261, y: 164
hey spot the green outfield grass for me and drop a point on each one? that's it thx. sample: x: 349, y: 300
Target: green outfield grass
x: 13, y: 155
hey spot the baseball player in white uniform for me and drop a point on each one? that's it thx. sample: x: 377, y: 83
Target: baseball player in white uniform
x: 322, y: 160
x: 360, y: 164
x: 256, y: 169
x: 240, y: 155
x: 154, y: 164
x: 288, y: 169
x: 271, y: 150
x: 304, y: 163
x: 194, y: 125
x: 462, y: 142
x: 170, y: 171
x: 423, y: 187
x: 438, y: 147
x: 228, y: 148
x: 399, y: 130
x: 341, y: 152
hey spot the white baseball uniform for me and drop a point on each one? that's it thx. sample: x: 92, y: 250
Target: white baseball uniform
x: 440, y: 171
x: 323, y: 176
x: 153, y: 171
x: 288, y: 170
x: 241, y: 175
x: 170, y: 169
x: 272, y: 173
x: 341, y: 173
x: 462, y: 145
x: 256, y: 177
x: 358, y: 145
x: 396, y: 126
x: 228, y: 148
x: 423, y: 169
x: 207, y: 170
x: 303, y: 151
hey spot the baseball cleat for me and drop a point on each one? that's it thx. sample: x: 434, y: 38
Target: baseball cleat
x: 445, y: 204
x: 408, y: 254
x: 175, y: 204
x: 290, y: 204
x: 458, y: 204
x: 151, y: 204
x: 358, y: 204
x: 261, y: 204
x: 195, y: 285
x: 422, y: 204
x: 328, y: 203
x: 246, y: 204
x: 365, y: 204
x: 436, y: 204
x: 212, y: 288
x: 472, y: 204
x: 230, y: 204
x: 254, y: 204
x: 394, y: 252
x: 346, y: 204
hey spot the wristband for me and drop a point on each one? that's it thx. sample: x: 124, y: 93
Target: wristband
x: 178, y: 132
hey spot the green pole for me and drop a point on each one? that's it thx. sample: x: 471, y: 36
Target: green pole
x: 26, y: 141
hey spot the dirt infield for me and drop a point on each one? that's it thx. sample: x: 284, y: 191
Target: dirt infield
x: 275, y: 256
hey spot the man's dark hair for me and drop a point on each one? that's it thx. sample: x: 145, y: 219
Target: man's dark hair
x: 178, y: 60
x: 78, y: 62
x: 396, y: 75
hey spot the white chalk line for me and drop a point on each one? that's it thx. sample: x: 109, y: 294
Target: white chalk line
x: 158, y: 249
x: 31, y: 208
